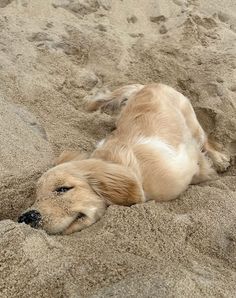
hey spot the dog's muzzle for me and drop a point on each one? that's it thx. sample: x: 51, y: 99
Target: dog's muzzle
x: 31, y: 218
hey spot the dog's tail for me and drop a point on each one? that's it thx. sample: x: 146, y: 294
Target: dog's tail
x: 113, y: 101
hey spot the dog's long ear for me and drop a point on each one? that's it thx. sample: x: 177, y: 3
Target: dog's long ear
x: 69, y: 155
x: 116, y: 184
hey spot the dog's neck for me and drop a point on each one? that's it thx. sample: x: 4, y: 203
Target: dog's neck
x: 118, y: 153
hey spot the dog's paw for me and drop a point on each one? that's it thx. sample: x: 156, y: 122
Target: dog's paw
x: 113, y: 107
x: 221, y: 162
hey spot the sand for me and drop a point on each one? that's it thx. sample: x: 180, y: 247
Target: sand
x: 55, y: 54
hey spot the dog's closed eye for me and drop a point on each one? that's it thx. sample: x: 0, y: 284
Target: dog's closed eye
x: 63, y: 189
x: 80, y: 215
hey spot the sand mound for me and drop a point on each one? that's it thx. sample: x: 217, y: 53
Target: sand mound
x: 53, y: 54
x: 24, y: 153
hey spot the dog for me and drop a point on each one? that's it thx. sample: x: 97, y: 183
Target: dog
x: 156, y: 151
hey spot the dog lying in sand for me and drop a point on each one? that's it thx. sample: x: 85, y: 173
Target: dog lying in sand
x: 157, y: 149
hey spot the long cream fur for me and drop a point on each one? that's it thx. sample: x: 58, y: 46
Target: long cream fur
x: 156, y: 151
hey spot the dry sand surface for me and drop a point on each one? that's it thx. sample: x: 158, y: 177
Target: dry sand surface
x: 54, y: 54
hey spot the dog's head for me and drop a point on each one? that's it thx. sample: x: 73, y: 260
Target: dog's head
x: 75, y: 193
x: 63, y: 198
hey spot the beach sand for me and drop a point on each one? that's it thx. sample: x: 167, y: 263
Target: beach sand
x: 53, y: 55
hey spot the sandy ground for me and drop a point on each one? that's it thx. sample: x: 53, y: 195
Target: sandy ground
x: 54, y: 54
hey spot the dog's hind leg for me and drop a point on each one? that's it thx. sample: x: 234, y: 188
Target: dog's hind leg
x: 220, y: 160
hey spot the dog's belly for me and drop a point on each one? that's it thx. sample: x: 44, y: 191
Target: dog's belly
x: 166, y: 171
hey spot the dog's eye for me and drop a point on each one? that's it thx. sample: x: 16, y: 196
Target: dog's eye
x: 63, y: 189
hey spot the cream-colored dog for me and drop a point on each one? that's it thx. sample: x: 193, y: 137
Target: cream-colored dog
x: 157, y: 149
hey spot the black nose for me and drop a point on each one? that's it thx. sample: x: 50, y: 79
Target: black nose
x: 31, y: 218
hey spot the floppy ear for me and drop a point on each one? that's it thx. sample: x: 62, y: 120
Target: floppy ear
x: 69, y: 155
x: 116, y: 184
